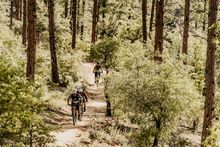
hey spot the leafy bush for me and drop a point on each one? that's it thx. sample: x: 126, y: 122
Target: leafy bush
x: 157, y: 95
x: 19, y: 108
x: 104, y: 52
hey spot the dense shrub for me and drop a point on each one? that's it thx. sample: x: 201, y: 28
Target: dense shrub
x: 19, y: 108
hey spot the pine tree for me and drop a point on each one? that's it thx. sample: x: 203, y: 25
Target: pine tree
x: 82, y: 23
x: 31, y: 46
x: 204, y: 19
x: 152, y: 15
x: 54, y: 67
x: 74, y: 13
x: 66, y: 8
x: 144, y: 21
x: 209, y: 113
x: 158, y: 46
x: 11, y: 14
x: 24, y: 27
x: 94, y: 21
x: 186, y: 27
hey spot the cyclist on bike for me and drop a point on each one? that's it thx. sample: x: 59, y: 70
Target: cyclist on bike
x: 97, y: 71
x: 83, y: 95
x: 75, y: 100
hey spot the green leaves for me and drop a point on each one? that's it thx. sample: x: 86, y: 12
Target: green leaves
x: 104, y: 51
x: 19, y: 109
x: 153, y: 93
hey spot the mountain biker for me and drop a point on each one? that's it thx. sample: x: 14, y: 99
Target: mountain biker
x: 97, y: 70
x: 80, y: 91
x: 74, y: 100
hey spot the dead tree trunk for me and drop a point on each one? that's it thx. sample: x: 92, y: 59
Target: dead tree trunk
x: 209, y: 113
x: 31, y: 47
x: 94, y: 20
x: 158, y: 46
x: 186, y: 27
x: 54, y: 67
x: 24, y: 27
x: 144, y: 20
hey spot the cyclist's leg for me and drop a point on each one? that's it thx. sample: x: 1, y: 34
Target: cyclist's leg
x: 84, y: 105
x: 78, y: 111
x: 73, y: 114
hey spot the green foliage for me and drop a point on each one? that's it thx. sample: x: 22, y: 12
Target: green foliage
x: 104, y: 52
x: 19, y: 108
x: 158, y: 95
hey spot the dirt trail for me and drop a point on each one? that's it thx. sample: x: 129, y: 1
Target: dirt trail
x: 69, y: 134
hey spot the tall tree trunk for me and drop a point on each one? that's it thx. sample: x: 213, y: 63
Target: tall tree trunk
x: 66, y: 8
x: 78, y: 17
x: 152, y: 15
x: 209, y: 113
x: 71, y: 7
x: 94, y: 20
x: 156, y: 139
x: 108, y: 102
x: 205, y: 16
x: 186, y: 27
x: 31, y: 47
x: 158, y: 46
x: 144, y: 20
x: 20, y: 13
x: 82, y: 23
x: 108, y: 106
x: 54, y: 67
x: 17, y: 9
x: 74, y: 8
x: 103, y: 4
x: 11, y: 14
x: 24, y: 27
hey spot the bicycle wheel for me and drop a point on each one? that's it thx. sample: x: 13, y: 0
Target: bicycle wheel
x: 74, y: 115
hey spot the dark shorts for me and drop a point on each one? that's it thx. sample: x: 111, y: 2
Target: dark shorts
x: 97, y: 74
x: 76, y: 105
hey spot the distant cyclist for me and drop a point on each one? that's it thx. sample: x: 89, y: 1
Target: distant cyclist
x: 97, y: 71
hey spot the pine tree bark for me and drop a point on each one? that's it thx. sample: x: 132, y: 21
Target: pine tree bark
x: 24, y: 27
x: 78, y: 17
x: 11, y: 14
x: 74, y: 9
x: 31, y: 47
x: 94, y: 20
x: 186, y: 27
x: 204, y: 19
x: 158, y: 46
x: 54, y: 66
x: 209, y: 113
x: 144, y: 20
x: 152, y: 15
x: 66, y: 8
x: 17, y: 9
x: 82, y: 23
x: 20, y: 13
x: 71, y: 7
